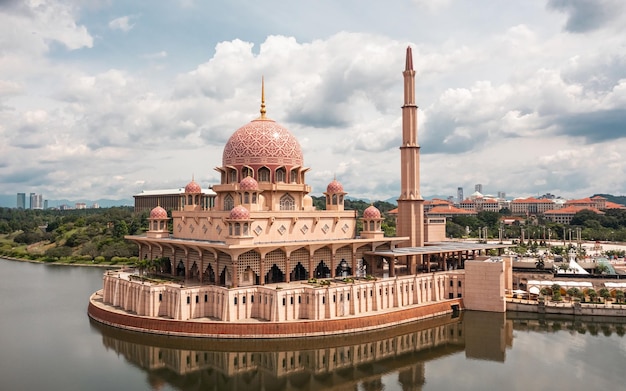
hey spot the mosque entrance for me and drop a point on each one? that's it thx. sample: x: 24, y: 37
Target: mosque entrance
x: 299, y: 273
x: 165, y: 265
x: 274, y: 275
x: 180, y: 269
x: 209, y: 275
x: 322, y: 271
x: 343, y: 269
x: 194, y: 272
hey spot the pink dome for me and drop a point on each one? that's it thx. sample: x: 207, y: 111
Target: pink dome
x: 262, y: 141
x: 158, y: 213
x: 193, y: 187
x: 371, y: 212
x: 334, y: 187
x: 239, y: 213
x: 248, y: 183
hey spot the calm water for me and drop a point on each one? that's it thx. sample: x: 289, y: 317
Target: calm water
x: 47, y: 342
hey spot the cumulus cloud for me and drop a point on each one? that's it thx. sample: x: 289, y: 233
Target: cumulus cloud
x: 588, y: 15
x: 123, y: 23
x: 525, y: 109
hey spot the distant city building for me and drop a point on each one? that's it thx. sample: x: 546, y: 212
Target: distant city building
x: 80, y: 205
x: 478, y: 187
x: 21, y: 200
x: 45, y: 204
x: 459, y: 195
x: 501, y: 195
x: 95, y: 205
x: 36, y: 201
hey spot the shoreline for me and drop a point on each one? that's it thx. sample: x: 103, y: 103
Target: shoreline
x: 60, y: 264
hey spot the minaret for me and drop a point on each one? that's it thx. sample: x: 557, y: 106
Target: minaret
x: 410, y: 203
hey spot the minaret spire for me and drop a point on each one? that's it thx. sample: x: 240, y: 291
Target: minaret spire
x: 410, y: 203
x: 262, y: 98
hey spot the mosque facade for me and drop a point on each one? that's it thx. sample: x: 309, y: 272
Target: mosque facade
x: 255, y: 258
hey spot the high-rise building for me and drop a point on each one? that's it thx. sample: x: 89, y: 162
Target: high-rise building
x: 478, y: 187
x: 459, y: 194
x: 21, y: 200
x: 36, y: 201
x: 501, y: 195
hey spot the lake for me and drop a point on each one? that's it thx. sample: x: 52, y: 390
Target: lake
x: 48, y: 342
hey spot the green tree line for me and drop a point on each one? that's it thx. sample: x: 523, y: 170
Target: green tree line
x: 86, y: 235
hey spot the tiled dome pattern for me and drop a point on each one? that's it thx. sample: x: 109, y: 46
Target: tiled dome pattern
x: 239, y: 213
x: 158, y: 213
x: 248, y: 184
x: 193, y: 187
x: 262, y: 141
x: 371, y: 212
x: 334, y: 187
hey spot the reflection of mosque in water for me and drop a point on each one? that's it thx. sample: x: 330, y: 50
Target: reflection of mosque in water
x: 357, y: 361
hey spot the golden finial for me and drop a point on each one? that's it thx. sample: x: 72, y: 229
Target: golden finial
x: 263, y: 97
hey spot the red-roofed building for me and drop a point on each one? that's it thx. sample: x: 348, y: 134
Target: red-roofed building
x: 565, y: 214
x: 614, y: 205
x: 531, y: 206
x: 449, y: 211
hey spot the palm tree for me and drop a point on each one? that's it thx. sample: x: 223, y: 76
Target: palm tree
x: 604, y: 293
x: 540, y: 264
x: 592, y: 294
x: 602, y: 268
x: 573, y: 292
x: 556, y: 292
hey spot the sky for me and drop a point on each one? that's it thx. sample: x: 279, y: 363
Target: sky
x: 106, y: 98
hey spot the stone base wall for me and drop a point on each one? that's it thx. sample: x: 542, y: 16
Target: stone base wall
x: 205, y: 328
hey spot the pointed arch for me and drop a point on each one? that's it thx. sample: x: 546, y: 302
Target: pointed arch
x: 229, y: 202
x: 281, y: 174
x: 287, y: 202
x: 264, y: 174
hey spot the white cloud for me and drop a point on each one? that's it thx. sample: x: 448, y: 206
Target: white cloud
x: 122, y: 23
x: 515, y: 110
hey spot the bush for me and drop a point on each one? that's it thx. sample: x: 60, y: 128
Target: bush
x: 98, y: 259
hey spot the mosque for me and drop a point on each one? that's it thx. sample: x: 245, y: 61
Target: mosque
x: 254, y: 258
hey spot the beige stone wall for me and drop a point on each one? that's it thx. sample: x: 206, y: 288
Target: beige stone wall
x: 435, y: 229
x: 484, y: 285
x: 278, y: 302
x: 268, y: 226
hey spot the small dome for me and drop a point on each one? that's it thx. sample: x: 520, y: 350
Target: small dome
x: 158, y: 213
x: 334, y: 187
x: 371, y: 212
x: 193, y: 187
x: 248, y: 183
x: 239, y: 213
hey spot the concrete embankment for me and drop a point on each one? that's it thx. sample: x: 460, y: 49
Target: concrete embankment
x: 580, y: 309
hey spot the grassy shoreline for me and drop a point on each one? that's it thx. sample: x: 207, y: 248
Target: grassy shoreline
x: 60, y: 263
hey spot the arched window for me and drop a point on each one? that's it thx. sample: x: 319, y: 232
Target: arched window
x: 287, y: 202
x: 229, y: 203
x: 246, y: 172
x: 237, y: 229
x: 281, y: 175
x: 294, y: 176
x: 264, y: 174
x: 246, y: 198
x: 233, y: 176
x: 334, y: 199
x: 372, y: 228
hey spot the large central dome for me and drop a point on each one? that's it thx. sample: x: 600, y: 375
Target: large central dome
x: 262, y: 141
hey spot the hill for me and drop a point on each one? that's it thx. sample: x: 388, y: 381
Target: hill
x: 611, y: 198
